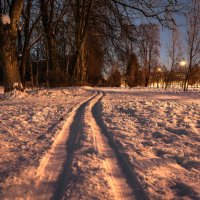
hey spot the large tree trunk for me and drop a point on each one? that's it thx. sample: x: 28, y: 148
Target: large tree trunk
x: 31, y: 71
x: 47, y: 10
x: 84, y: 62
x: 53, y: 61
x: 8, y: 40
x: 81, y: 63
x: 83, y: 10
x: 149, y: 68
x: 10, y: 64
x: 26, y: 51
x: 23, y: 65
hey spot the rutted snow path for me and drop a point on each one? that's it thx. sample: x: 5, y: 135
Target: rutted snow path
x: 55, y: 171
x: 117, y: 181
x: 127, y: 144
x: 49, y: 179
x: 75, y: 123
x: 54, y: 168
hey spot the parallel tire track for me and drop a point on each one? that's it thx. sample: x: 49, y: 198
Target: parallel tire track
x: 120, y: 157
x: 118, y: 170
x: 117, y: 180
x: 53, y: 172
x: 71, y: 145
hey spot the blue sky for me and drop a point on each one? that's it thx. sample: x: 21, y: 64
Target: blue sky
x: 165, y: 36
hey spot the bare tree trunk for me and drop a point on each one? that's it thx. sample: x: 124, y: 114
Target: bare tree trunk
x: 148, y: 74
x: 10, y: 65
x: 82, y: 21
x: 53, y: 60
x: 187, y: 76
x: 193, y: 39
x: 47, y: 12
x: 25, y: 52
x: 37, y: 76
x: 168, y: 79
x: 47, y: 66
x: 31, y: 72
x: 174, y: 51
x: 24, y: 64
x: 8, y: 40
x: 82, y: 63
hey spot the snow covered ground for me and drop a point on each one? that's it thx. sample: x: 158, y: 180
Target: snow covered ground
x: 28, y: 125
x: 158, y: 133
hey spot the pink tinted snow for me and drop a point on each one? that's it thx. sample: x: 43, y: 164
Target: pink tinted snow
x: 5, y: 19
x: 158, y: 131
x: 28, y: 126
x: 160, y: 134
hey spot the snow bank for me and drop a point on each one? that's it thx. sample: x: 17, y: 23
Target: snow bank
x: 14, y: 94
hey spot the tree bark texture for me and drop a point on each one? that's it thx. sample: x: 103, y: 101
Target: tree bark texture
x: 8, y: 42
x: 83, y: 10
x: 47, y: 12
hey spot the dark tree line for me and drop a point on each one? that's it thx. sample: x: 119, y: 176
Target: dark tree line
x: 64, y: 42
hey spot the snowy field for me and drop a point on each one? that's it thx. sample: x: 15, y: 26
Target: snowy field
x: 28, y: 125
x: 158, y: 133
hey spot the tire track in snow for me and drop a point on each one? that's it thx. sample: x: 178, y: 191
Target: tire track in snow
x: 121, y: 190
x: 122, y: 176
x: 74, y: 132
x: 53, y: 172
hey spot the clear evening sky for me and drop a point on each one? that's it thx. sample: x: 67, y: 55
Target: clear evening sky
x: 165, y: 38
x: 165, y: 35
